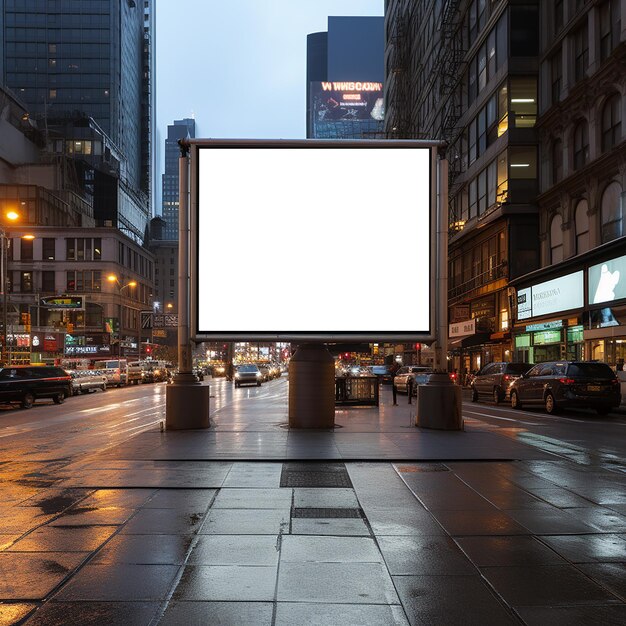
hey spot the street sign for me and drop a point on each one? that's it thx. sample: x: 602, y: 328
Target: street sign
x: 64, y: 303
x: 146, y: 319
x: 160, y: 333
x: 169, y: 320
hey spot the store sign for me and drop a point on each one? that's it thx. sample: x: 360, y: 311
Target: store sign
x: 461, y: 329
x: 87, y: 350
x: 607, y: 281
x: 460, y: 313
x: 553, y: 296
x: 64, y: 303
x: 544, y: 326
x: 547, y: 336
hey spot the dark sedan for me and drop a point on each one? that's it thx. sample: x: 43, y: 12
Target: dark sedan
x: 25, y: 384
x: 562, y: 384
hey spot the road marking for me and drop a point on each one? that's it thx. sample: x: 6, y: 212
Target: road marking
x: 507, y: 419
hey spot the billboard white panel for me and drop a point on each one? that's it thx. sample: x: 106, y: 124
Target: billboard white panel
x: 326, y: 239
x: 607, y: 281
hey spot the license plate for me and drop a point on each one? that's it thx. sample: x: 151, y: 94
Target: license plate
x: 594, y: 388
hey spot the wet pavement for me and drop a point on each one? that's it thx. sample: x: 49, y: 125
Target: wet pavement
x: 487, y: 526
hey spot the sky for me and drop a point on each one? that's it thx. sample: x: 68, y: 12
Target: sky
x: 239, y: 66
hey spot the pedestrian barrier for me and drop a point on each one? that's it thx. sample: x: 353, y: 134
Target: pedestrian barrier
x: 357, y: 391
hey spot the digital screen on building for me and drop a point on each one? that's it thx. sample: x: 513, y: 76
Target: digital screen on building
x: 553, y: 296
x: 311, y: 238
x: 607, y: 281
x: 346, y: 110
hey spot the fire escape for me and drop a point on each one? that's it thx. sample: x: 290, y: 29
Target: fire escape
x: 451, y: 68
x: 400, y: 127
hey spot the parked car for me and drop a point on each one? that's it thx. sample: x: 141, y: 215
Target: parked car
x: 407, y: 373
x: 85, y: 381
x: 135, y: 373
x: 248, y: 374
x: 568, y: 384
x: 27, y: 383
x: 116, y: 371
x: 494, y: 380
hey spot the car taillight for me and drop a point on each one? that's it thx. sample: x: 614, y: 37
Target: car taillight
x: 567, y: 381
x: 506, y: 377
x: 615, y: 381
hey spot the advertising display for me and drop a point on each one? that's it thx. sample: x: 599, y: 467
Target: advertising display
x: 343, y: 110
x: 306, y: 209
x: 553, y: 296
x: 607, y: 281
x: 64, y: 303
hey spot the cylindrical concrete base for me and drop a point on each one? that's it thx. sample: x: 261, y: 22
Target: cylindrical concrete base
x: 439, y: 404
x: 312, y: 388
x: 186, y: 406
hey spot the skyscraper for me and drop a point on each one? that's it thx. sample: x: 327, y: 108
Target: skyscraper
x: 85, y: 72
x: 345, y: 70
x: 180, y: 129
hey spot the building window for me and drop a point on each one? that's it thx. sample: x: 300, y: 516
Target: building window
x: 47, y: 282
x: 502, y: 192
x: 556, y: 76
x: 611, y: 122
x: 48, y: 249
x: 557, y: 161
x: 558, y: 15
x: 523, y: 103
x: 612, y: 213
x: 581, y: 52
x: 523, y: 162
x: 581, y: 220
x: 610, y: 27
x: 524, y: 30
x: 556, y: 239
x: 26, y: 282
x: 581, y: 145
x: 26, y: 250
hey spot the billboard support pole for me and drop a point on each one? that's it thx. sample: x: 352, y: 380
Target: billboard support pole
x: 439, y: 401
x: 186, y: 400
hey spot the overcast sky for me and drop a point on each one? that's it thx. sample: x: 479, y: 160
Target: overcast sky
x: 239, y: 66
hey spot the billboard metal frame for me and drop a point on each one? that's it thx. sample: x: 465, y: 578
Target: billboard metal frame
x: 438, y: 222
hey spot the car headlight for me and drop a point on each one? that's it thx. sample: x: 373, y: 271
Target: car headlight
x: 237, y: 375
x: 259, y: 374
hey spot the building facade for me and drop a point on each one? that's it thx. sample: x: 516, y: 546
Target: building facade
x: 345, y: 79
x: 497, y: 80
x: 582, y: 200
x: 180, y: 129
x: 85, y: 72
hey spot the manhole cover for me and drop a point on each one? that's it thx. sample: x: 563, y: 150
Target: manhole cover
x: 327, y: 513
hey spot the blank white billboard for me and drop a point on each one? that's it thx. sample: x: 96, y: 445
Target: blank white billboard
x: 313, y: 238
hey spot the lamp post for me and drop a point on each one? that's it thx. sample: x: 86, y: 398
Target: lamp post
x: 113, y: 279
x: 10, y: 216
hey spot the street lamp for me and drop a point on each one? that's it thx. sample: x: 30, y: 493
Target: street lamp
x: 9, y: 217
x: 131, y: 284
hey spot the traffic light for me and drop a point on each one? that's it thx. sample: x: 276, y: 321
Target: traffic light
x: 148, y: 349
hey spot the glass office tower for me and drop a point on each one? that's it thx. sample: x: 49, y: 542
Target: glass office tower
x: 85, y: 69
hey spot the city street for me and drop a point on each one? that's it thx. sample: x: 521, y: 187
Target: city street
x: 108, y: 520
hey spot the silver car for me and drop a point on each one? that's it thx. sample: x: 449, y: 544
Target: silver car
x: 248, y: 374
x: 406, y: 375
x: 85, y: 381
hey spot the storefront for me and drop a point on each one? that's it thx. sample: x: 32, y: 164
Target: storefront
x: 575, y: 310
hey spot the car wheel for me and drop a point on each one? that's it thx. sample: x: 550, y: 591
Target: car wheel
x: 496, y: 395
x: 104, y: 387
x: 59, y: 398
x: 515, y: 403
x: 603, y: 410
x: 258, y: 383
x: 550, y: 405
x: 28, y: 399
x: 474, y: 395
x: 236, y: 384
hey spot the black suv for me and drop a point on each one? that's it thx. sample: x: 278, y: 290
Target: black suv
x: 494, y: 380
x: 26, y: 383
x: 568, y: 383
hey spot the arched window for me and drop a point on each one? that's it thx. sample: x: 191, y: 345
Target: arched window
x: 581, y: 145
x: 556, y: 239
x: 557, y: 161
x: 582, y: 227
x: 611, y: 122
x: 612, y: 213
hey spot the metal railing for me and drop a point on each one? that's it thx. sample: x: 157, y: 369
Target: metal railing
x: 357, y: 391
